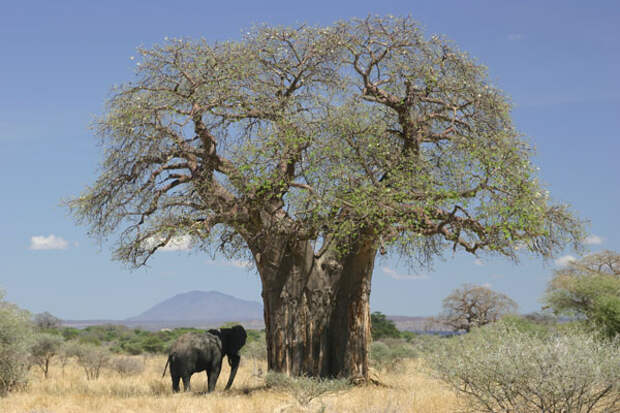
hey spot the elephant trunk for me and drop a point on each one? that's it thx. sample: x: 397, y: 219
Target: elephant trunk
x: 234, y: 361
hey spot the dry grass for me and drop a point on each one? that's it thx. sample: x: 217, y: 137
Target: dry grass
x: 409, y: 391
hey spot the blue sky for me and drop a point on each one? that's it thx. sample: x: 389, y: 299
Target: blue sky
x: 558, y: 60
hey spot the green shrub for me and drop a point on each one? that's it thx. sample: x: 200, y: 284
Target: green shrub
x: 380, y: 354
x: 69, y: 333
x: 381, y: 327
x: 388, y: 354
x: 527, y: 326
x: 256, y: 349
x: 255, y: 335
x: 132, y: 348
x: 89, y: 339
x: 153, y: 344
x: 16, y: 333
x: 503, y: 369
x: 403, y: 350
x: 408, y: 335
x: 426, y: 344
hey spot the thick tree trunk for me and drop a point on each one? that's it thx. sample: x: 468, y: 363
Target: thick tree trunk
x: 349, y: 329
x: 316, y: 309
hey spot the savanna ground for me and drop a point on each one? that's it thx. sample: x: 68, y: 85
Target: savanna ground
x: 408, y: 389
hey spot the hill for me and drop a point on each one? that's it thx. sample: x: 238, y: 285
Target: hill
x: 209, y: 309
x: 211, y: 306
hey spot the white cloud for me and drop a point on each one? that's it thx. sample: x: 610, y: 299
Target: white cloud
x: 593, y: 240
x: 515, y: 36
x: 565, y: 260
x: 241, y: 264
x: 51, y: 242
x: 179, y: 243
x: 234, y: 263
x: 479, y: 262
x: 393, y: 274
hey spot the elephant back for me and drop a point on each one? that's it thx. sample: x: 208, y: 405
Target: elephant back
x: 200, y: 345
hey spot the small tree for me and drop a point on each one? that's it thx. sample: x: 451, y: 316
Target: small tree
x: 46, y: 321
x: 473, y: 305
x: 382, y: 327
x: 92, y: 359
x: 589, y: 288
x: 46, y: 346
x: 65, y: 354
x: 15, y: 339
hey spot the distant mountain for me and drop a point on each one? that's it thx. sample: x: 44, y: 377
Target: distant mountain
x: 210, y: 309
x: 208, y: 306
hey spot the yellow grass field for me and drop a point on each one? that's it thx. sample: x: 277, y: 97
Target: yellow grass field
x: 410, y: 390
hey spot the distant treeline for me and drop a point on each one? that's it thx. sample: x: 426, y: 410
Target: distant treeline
x: 125, y: 340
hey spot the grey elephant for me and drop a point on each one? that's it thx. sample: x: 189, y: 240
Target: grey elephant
x: 195, y: 352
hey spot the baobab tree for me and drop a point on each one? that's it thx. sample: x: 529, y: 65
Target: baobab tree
x: 473, y: 306
x: 310, y: 150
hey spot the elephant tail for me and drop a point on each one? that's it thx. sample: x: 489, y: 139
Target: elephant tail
x: 166, y: 366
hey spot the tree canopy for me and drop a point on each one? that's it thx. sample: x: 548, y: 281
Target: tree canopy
x: 590, y: 288
x: 16, y: 335
x: 362, y: 126
x: 46, y: 321
x: 473, y: 305
x: 310, y: 149
x: 382, y: 327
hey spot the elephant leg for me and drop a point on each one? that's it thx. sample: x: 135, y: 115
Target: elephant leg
x: 175, y: 383
x: 213, y: 374
x: 233, y: 360
x: 186, y: 385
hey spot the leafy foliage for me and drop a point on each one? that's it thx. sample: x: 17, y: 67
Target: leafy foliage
x: 256, y: 345
x: 382, y: 327
x: 16, y: 335
x: 501, y: 369
x: 389, y: 354
x: 530, y: 326
x: 320, y: 133
x: 125, y: 340
x: 589, y: 288
x: 45, y: 347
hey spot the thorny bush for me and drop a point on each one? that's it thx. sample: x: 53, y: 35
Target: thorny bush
x: 501, y: 369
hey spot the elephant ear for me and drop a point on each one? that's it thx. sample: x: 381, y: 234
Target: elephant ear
x: 233, y: 339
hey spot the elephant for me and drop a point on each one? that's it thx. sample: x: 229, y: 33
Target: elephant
x: 195, y: 352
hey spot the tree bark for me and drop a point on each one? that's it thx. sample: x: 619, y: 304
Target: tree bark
x: 316, y: 309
